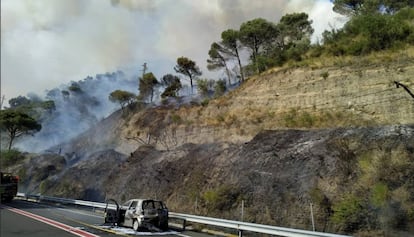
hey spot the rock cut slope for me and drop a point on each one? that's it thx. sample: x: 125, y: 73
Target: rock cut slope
x: 358, y: 93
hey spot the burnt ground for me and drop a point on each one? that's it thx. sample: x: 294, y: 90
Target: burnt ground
x: 277, y: 174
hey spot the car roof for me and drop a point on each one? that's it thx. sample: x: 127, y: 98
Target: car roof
x: 144, y: 199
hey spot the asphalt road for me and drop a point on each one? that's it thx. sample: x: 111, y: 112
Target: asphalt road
x: 14, y: 225
x: 22, y: 218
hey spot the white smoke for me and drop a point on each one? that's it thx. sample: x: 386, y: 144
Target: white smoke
x: 47, y: 42
x: 79, y: 111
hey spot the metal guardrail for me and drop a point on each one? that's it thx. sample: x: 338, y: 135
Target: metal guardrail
x: 67, y: 201
x: 246, y: 226
x: 238, y: 225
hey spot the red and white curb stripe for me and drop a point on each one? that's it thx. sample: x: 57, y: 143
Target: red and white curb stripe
x: 56, y: 224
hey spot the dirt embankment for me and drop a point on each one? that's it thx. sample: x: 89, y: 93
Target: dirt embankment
x: 360, y: 94
x: 277, y: 174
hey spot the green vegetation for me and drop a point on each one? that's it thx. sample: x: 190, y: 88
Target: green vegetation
x: 268, y: 44
x: 364, y: 34
x: 65, y: 94
x: 229, y: 47
x: 34, y: 107
x: 206, y: 87
x: 44, y: 186
x: 325, y: 75
x: 16, y: 123
x: 382, y: 186
x: 75, y: 87
x: 348, y: 214
x: 203, y: 87
x: 219, y: 88
x: 10, y: 157
x: 222, y: 198
x: 124, y: 98
x: 147, y: 84
x: 363, y: 7
x: 172, y: 84
x: 374, y: 25
x: 218, y: 59
x: 205, y: 102
x: 297, y: 118
x: 188, y: 68
x: 175, y: 118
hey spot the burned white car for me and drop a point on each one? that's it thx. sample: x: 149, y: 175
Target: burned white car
x: 138, y: 214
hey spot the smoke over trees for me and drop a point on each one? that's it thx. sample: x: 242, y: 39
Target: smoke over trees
x: 70, y: 109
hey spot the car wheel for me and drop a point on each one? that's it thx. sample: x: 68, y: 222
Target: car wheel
x: 135, y: 225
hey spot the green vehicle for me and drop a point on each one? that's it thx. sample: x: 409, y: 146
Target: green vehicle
x: 8, y: 186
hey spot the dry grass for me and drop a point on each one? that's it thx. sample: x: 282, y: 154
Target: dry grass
x: 381, y: 57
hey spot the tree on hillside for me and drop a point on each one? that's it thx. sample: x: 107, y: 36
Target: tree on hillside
x: 230, y: 45
x: 294, y: 32
x: 351, y: 7
x: 75, y: 87
x: 256, y: 35
x: 34, y: 106
x: 147, y: 85
x: 172, y: 84
x: 48, y: 105
x: 65, y: 94
x: 219, y: 88
x: 365, y: 33
x: 16, y: 124
x: 19, y: 101
x: 217, y: 59
x: 124, y: 98
x: 204, y: 87
x: 396, y: 5
x: 362, y: 7
x: 295, y: 26
x: 188, y: 68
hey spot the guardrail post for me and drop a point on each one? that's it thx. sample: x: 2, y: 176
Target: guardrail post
x: 184, y: 224
x: 240, y: 233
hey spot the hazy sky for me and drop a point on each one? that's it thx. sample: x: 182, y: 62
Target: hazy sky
x: 45, y: 43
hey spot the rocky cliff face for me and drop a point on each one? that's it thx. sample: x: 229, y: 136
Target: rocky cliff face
x: 358, y: 94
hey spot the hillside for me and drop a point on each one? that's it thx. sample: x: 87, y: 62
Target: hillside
x: 334, y: 132
x: 359, y: 180
x: 336, y: 92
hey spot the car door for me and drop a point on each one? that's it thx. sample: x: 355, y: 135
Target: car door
x: 130, y: 214
x: 162, y: 214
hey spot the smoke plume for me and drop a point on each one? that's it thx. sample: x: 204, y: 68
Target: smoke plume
x: 77, y: 110
x: 46, y: 42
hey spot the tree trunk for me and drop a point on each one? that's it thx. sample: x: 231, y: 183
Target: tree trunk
x: 228, y: 74
x: 11, y: 141
x: 191, y: 83
x: 240, y: 66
